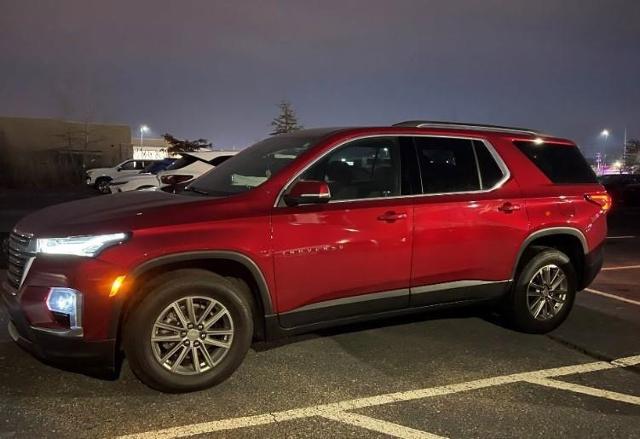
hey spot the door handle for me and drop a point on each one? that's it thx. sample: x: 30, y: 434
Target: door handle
x: 508, y: 207
x: 392, y: 216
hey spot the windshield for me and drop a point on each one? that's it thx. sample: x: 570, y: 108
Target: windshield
x: 253, y: 166
x: 183, y: 161
x: 156, y: 166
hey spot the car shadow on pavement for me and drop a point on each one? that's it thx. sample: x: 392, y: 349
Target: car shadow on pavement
x: 484, y: 312
x: 23, y: 375
x: 407, y: 344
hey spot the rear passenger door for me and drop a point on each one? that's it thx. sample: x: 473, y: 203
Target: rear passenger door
x: 468, y: 224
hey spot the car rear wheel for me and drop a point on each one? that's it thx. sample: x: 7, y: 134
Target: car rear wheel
x: 544, y: 292
x: 190, y: 332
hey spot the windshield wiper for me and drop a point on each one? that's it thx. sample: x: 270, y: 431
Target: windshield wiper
x: 197, y: 191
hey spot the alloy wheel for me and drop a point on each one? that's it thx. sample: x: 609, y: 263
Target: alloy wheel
x: 547, y: 292
x: 192, y: 335
x: 103, y: 186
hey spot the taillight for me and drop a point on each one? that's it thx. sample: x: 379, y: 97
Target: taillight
x: 175, y: 179
x: 602, y: 199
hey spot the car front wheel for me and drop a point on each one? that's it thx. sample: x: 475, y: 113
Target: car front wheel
x: 188, y: 333
x: 102, y: 185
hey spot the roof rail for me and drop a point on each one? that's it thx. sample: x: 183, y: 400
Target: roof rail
x: 464, y: 126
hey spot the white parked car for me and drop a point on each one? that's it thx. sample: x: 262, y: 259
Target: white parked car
x: 146, y: 179
x: 101, y: 177
x: 189, y: 166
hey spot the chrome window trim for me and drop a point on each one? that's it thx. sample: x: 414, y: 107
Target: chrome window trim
x: 475, y: 156
x: 506, y: 174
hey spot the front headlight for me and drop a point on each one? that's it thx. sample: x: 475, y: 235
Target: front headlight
x: 78, y: 245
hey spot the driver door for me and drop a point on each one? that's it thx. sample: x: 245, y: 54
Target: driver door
x: 352, y: 255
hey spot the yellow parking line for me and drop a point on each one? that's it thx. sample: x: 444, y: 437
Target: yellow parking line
x: 585, y: 390
x: 623, y: 267
x: 612, y: 296
x: 379, y: 426
x: 336, y: 409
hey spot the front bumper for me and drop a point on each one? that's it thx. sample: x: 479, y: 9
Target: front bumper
x: 69, y: 352
x: 34, y: 327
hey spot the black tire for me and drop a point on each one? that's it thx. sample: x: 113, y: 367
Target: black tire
x: 516, y: 307
x: 161, y: 293
x: 102, y: 185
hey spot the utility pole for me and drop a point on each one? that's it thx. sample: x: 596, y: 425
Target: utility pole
x: 625, y: 155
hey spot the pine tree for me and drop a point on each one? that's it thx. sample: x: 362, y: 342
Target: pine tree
x: 286, y: 122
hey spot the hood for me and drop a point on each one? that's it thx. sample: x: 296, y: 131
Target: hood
x: 109, y: 214
x: 98, y: 170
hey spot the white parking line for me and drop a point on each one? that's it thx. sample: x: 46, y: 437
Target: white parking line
x: 621, y: 237
x: 612, y: 296
x: 324, y: 409
x: 621, y: 267
x: 380, y: 426
x: 578, y: 388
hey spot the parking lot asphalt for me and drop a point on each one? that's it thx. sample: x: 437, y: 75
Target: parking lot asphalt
x: 446, y: 374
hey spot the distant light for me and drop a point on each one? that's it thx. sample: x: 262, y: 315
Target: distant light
x: 617, y: 164
x: 144, y: 128
x: 538, y: 141
x: 605, y: 133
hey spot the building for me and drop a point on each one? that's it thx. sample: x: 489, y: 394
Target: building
x: 150, y: 148
x: 43, y: 152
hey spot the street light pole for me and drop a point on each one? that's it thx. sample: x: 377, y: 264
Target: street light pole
x: 143, y: 129
x: 605, y: 134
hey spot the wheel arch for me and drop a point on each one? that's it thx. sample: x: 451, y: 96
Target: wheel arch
x: 225, y: 263
x: 569, y: 240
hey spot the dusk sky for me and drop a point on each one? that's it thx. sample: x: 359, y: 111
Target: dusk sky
x: 217, y: 69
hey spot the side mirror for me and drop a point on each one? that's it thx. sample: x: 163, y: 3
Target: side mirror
x: 308, y: 192
x: 118, y: 169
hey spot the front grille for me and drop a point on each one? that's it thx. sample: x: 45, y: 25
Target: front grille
x: 18, y: 257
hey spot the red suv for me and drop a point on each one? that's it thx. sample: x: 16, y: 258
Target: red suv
x: 305, y: 230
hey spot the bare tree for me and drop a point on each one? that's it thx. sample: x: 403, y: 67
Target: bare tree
x: 79, y: 107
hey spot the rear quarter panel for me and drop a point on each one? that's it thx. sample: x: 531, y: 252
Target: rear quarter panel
x: 555, y: 205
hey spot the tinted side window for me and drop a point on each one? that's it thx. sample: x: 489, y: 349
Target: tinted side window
x: 560, y: 163
x: 489, y: 170
x: 128, y: 166
x: 220, y: 159
x: 367, y: 168
x: 447, y: 165
x: 181, y: 162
